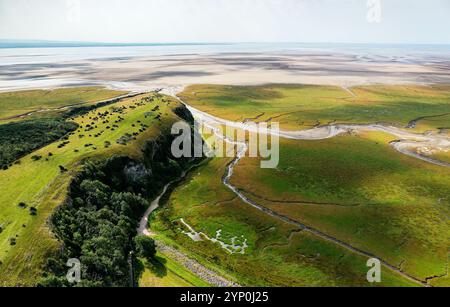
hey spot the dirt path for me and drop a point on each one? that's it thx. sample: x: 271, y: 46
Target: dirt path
x: 348, y: 90
x: 143, y: 224
x: 192, y: 265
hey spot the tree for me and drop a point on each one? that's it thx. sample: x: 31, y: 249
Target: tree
x: 96, y: 193
x: 145, y: 247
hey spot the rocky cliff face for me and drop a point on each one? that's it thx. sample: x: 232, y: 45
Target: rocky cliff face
x: 146, y: 176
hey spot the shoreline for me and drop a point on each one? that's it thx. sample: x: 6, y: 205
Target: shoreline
x: 137, y: 70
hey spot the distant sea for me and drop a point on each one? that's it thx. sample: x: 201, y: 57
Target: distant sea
x: 27, y: 52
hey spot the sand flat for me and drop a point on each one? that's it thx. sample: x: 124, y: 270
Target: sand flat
x: 149, y: 71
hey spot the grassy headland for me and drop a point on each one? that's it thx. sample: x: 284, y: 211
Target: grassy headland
x: 45, y: 103
x: 41, y: 179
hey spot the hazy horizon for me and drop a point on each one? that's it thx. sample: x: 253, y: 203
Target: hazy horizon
x: 126, y: 43
x: 227, y: 21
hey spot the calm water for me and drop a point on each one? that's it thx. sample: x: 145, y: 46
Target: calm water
x: 13, y: 56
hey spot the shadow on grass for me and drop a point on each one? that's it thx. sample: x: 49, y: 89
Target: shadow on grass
x: 157, y: 266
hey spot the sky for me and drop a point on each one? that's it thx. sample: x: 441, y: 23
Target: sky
x: 146, y: 21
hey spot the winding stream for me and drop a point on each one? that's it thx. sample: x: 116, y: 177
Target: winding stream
x: 237, y: 245
x: 318, y: 133
x: 407, y: 144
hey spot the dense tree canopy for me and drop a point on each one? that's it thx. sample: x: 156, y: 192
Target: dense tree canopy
x: 21, y: 138
x: 97, y: 223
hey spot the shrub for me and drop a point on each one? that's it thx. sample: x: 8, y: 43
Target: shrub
x: 36, y: 157
x: 33, y: 211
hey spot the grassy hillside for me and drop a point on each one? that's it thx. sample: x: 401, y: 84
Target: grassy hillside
x: 42, y: 177
x: 47, y: 102
x: 303, y: 106
x: 355, y: 188
x: 22, y: 137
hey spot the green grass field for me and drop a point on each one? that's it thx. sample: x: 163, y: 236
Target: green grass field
x: 363, y: 192
x: 442, y: 156
x: 164, y: 272
x: 303, y: 106
x: 355, y: 188
x: 278, y: 254
x: 25, y: 240
x: 46, y: 102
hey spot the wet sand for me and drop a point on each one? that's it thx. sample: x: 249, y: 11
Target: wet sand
x: 148, y: 72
